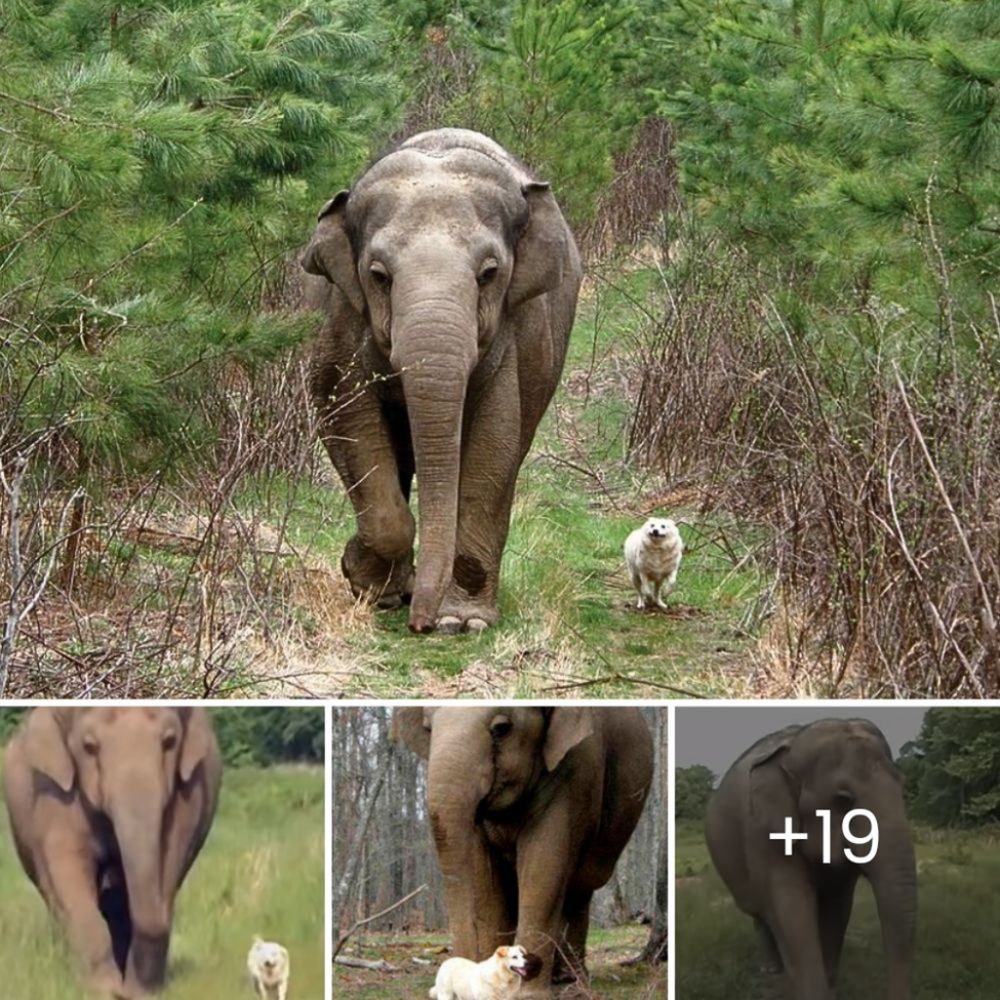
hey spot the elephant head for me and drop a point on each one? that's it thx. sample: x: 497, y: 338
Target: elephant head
x: 126, y: 766
x: 840, y: 766
x: 483, y: 764
x: 434, y: 247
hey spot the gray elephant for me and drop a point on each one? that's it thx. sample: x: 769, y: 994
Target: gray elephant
x: 530, y: 809
x: 800, y: 905
x: 451, y: 285
x: 109, y: 808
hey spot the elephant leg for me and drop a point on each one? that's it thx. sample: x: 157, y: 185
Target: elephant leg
x: 542, y: 880
x: 569, y: 963
x: 770, y: 959
x: 69, y: 884
x: 834, y: 915
x: 369, y: 447
x: 793, y: 918
x: 490, y: 462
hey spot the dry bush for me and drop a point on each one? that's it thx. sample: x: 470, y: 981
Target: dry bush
x: 869, y: 459
x: 642, y: 189
x: 187, y: 584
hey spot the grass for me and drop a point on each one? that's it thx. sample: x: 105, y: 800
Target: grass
x: 232, y: 618
x: 606, y: 949
x: 955, y: 953
x: 568, y: 623
x: 260, y: 872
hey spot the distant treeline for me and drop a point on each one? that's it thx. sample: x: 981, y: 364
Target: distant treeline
x: 951, y: 772
x: 247, y: 736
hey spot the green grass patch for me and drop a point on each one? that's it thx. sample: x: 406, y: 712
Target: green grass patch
x: 260, y: 872
x: 956, y: 954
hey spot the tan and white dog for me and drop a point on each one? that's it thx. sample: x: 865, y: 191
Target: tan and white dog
x: 652, y: 558
x: 269, y: 968
x: 495, y: 979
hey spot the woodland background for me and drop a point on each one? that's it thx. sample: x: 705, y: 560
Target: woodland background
x: 789, y: 340
x: 951, y: 776
x: 383, y: 852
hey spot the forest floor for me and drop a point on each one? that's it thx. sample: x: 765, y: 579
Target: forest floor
x: 606, y: 950
x: 260, y: 873
x: 956, y: 954
x: 246, y: 597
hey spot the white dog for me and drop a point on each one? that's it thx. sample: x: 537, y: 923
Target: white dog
x: 652, y: 558
x: 495, y: 979
x: 269, y: 969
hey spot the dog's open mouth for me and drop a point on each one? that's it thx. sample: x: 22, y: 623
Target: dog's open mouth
x: 531, y: 968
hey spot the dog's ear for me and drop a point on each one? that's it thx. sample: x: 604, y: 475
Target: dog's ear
x: 501, y: 952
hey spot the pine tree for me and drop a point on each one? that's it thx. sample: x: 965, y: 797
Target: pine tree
x: 854, y: 143
x: 158, y: 162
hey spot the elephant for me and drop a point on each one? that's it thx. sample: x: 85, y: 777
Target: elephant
x: 529, y: 809
x: 801, y: 906
x: 109, y: 807
x: 448, y: 281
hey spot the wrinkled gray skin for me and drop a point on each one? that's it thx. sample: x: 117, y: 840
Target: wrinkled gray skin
x: 109, y: 808
x: 450, y: 286
x: 800, y: 906
x: 530, y: 809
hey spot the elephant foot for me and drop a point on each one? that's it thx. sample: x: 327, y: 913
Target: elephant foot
x: 564, y: 974
x: 107, y: 983
x: 386, y: 583
x: 452, y: 625
x: 461, y: 613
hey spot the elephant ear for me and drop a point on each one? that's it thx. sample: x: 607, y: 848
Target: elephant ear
x: 411, y: 727
x: 567, y: 727
x: 540, y: 254
x: 330, y: 254
x: 45, y: 747
x: 199, y: 741
x: 773, y: 787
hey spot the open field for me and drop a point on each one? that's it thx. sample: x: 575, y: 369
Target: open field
x: 958, y: 875
x: 606, y: 949
x: 261, y: 872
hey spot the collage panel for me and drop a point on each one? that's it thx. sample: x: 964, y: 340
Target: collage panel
x: 170, y: 850
x: 837, y: 851
x: 494, y: 851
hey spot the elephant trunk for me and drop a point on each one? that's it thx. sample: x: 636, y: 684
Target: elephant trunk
x: 893, y: 878
x: 138, y: 825
x: 435, y: 348
x: 459, y: 777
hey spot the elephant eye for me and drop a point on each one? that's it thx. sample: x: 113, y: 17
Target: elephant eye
x: 488, y: 273
x: 90, y: 743
x: 500, y: 726
x: 379, y: 274
x: 169, y: 741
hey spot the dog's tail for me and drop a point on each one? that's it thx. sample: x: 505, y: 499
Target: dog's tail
x: 432, y: 993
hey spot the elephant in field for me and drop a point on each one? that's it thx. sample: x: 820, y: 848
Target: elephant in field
x: 109, y: 807
x: 800, y: 904
x: 530, y: 809
x: 451, y: 281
